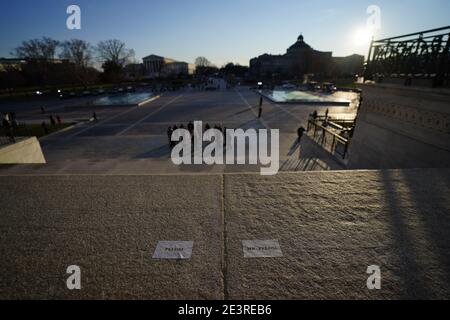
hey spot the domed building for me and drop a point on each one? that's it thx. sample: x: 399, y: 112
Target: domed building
x: 299, y: 59
x: 300, y: 45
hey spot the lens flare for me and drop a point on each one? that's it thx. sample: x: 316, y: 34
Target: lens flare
x: 362, y: 36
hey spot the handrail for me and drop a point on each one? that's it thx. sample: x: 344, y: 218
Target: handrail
x: 420, y: 53
x: 329, y: 131
x: 413, y: 34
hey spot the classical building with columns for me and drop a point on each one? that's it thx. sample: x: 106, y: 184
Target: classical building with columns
x: 157, y: 66
x: 301, y: 59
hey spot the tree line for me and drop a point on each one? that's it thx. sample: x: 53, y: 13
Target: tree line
x: 52, y: 62
x: 75, y: 62
x: 205, y: 68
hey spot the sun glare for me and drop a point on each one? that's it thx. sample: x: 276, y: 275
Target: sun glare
x: 362, y: 36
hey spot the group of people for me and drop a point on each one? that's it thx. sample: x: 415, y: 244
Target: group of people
x: 9, y: 119
x: 190, y: 128
x: 53, y: 122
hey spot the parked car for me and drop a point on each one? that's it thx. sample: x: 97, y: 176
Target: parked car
x: 313, y: 86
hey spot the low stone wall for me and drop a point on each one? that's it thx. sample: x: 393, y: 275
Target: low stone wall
x: 401, y: 127
x: 24, y: 151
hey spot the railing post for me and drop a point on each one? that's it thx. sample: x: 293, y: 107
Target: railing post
x: 443, y: 64
x: 333, y: 143
x: 367, y: 73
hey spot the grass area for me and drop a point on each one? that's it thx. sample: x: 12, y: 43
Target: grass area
x: 35, y: 130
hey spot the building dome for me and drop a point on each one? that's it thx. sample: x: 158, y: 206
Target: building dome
x: 300, y: 44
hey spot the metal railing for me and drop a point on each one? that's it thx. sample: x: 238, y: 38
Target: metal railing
x: 329, y: 140
x: 423, y: 55
x: 13, y: 134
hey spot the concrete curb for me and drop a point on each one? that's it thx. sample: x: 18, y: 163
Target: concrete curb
x: 23, y: 151
x: 140, y: 104
x: 115, y: 105
x: 308, y: 102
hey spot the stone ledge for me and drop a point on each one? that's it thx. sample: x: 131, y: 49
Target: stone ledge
x: 24, y: 151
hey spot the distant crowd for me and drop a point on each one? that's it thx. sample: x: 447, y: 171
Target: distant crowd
x: 190, y: 128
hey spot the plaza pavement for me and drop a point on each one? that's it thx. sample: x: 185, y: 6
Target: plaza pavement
x: 331, y: 226
x: 109, y: 193
x: 134, y: 139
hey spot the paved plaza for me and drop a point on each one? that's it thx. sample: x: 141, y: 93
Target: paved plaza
x: 109, y: 193
x: 134, y: 139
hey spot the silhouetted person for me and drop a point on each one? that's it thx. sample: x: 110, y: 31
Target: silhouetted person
x: 44, y: 127
x: 351, y: 132
x: 169, y: 135
x: 300, y: 132
x: 314, y: 115
x: 190, y: 127
x: 408, y: 81
x: 6, y: 117
x: 326, y: 114
x: 52, y: 120
x: 58, y: 118
x: 94, y: 116
x: 7, y: 127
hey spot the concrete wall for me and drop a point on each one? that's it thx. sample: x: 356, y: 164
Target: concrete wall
x: 26, y: 150
x: 401, y: 127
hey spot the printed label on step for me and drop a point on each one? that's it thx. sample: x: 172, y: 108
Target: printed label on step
x: 173, y: 250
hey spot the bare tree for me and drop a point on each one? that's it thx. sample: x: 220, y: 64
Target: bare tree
x: 114, y: 51
x: 44, y: 48
x: 78, y: 52
x: 202, y: 62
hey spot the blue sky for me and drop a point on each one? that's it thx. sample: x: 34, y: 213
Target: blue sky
x: 223, y: 31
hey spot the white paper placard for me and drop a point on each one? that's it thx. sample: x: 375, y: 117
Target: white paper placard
x: 173, y: 250
x: 261, y: 249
